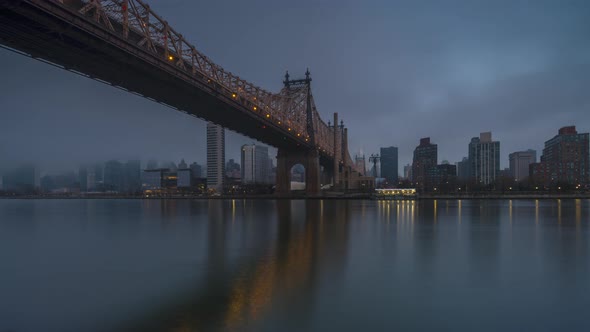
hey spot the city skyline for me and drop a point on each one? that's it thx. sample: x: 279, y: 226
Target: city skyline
x: 518, y: 80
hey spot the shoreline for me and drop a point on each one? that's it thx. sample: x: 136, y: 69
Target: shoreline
x: 332, y: 196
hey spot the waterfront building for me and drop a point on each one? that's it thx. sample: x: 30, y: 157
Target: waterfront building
x: 441, y: 178
x: 196, y: 170
x: 564, y: 159
x: 484, y: 158
x: 389, y: 165
x: 152, y: 164
x: 182, y: 164
x: 408, y: 172
x: 360, y: 163
x: 519, y: 163
x: 184, y: 178
x: 132, y: 176
x: 463, y: 169
x: 24, y: 179
x: 255, y: 164
x: 87, y: 178
x: 113, y: 175
x: 152, y: 178
x: 215, y: 157
x: 425, y: 157
x: 232, y: 169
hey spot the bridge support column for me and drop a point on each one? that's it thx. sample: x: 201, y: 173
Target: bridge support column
x: 283, y: 180
x: 287, y: 159
x: 312, y: 173
x: 336, y: 179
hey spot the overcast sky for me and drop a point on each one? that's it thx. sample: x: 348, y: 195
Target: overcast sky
x: 394, y: 70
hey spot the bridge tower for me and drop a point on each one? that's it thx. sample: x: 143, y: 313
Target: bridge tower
x: 310, y: 158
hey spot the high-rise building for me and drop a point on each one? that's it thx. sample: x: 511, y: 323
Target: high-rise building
x: 232, y: 169
x: 484, y: 158
x: 564, y: 159
x: 463, y: 169
x: 360, y: 164
x: 152, y: 164
x: 389, y: 166
x: 519, y: 163
x: 113, y: 176
x: 215, y: 157
x: 196, y: 170
x: 255, y: 164
x: 131, y: 176
x: 182, y: 165
x: 87, y: 178
x: 425, y: 157
x: 24, y: 179
x: 408, y: 172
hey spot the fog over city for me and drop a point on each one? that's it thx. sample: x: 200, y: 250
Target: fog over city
x: 395, y: 71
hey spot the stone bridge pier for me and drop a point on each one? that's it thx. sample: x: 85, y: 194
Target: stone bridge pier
x: 309, y: 159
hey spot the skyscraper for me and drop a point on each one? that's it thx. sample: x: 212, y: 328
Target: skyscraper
x: 484, y: 158
x: 113, y: 176
x: 463, y: 169
x: 519, y: 163
x: 564, y: 159
x: 132, y: 176
x: 255, y: 164
x: 215, y: 157
x: 87, y: 178
x: 425, y: 157
x: 196, y: 170
x: 389, y: 166
x: 408, y: 172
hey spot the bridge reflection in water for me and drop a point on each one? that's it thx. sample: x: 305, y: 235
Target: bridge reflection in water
x: 239, y: 290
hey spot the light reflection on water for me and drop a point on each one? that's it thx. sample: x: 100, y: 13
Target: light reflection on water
x: 234, y: 265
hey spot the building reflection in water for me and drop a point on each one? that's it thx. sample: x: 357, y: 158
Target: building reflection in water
x: 254, y: 266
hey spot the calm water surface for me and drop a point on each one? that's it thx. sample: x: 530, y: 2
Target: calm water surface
x: 263, y: 265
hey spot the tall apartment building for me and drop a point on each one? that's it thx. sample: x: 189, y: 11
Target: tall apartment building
x: 484, y: 158
x: 425, y: 157
x: 256, y: 164
x: 519, y: 163
x: 564, y: 159
x: 215, y: 157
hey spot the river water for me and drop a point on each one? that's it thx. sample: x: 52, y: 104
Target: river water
x: 265, y: 265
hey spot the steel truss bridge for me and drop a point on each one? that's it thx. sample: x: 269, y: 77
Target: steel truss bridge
x: 124, y: 43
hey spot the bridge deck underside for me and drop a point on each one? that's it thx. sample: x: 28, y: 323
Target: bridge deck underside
x: 69, y: 40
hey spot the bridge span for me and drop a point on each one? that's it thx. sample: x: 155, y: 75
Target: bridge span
x: 124, y: 43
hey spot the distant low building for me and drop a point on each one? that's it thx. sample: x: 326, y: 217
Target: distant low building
x: 441, y: 178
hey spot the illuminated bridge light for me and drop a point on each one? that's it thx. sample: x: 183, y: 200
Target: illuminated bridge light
x: 170, y: 57
x: 268, y: 116
x: 233, y: 95
x: 254, y: 108
x: 289, y: 129
x: 279, y: 122
x: 298, y: 134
